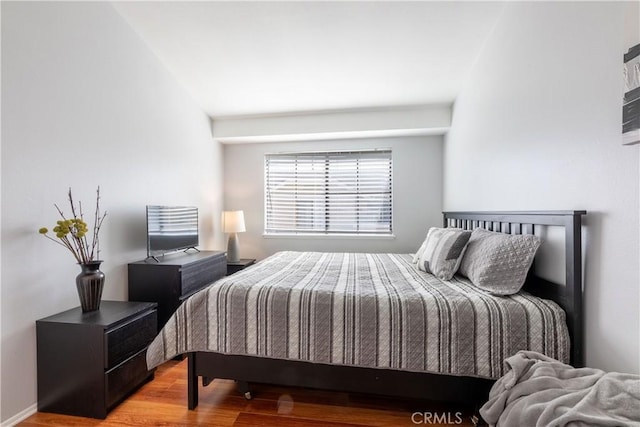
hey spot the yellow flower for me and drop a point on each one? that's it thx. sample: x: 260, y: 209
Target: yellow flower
x: 43, y: 230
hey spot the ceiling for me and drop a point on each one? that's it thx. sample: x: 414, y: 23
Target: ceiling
x: 254, y: 58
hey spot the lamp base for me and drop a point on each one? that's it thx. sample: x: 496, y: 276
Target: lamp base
x: 233, y: 248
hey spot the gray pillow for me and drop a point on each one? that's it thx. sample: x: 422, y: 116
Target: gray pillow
x: 498, y: 262
x: 442, y: 251
x: 417, y: 255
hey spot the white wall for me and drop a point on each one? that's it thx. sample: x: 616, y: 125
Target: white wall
x: 632, y: 24
x: 539, y: 127
x: 632, y: 38
x: 417, y: 198
x: 85, y: 103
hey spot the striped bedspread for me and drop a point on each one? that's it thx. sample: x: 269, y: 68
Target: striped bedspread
x: 370, y: 310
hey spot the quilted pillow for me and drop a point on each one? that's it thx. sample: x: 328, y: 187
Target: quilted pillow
x: 498, y: 262
x: 443, y: 251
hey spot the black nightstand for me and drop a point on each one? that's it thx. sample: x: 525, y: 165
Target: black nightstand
x: 234, y: 267
x: 89, y: 362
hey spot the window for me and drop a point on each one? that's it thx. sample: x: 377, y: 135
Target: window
x: 329, y: 193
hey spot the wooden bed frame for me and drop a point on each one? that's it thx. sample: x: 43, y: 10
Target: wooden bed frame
x: 418, y: 385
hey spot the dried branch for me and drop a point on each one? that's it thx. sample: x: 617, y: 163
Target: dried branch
x: 72, y: 232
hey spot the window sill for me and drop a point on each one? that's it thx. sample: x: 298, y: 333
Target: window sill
x: 329, y: 236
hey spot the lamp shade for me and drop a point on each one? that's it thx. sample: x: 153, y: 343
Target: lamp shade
x: 233, y: 221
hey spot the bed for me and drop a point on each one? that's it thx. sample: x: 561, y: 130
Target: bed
x: 373, y: 323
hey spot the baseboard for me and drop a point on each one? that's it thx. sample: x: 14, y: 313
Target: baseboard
x: 20, y: 416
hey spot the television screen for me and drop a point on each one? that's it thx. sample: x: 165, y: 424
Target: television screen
x: 171, y: 228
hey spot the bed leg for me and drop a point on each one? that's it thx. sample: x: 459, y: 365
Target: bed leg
x: 243, y: 388
x: 192, y: 386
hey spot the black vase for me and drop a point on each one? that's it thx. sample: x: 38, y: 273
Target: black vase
x: 90, y: 283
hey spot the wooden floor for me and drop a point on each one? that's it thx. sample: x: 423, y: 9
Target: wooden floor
x: 163, y: 402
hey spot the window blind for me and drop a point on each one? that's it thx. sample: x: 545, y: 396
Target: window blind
x: 329, y: 193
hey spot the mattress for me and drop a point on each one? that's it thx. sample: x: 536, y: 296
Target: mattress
x: 367, y: 310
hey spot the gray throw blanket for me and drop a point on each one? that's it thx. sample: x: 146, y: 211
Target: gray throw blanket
x: 540, y: 391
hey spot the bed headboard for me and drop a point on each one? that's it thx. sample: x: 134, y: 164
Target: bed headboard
x: 569, y: 297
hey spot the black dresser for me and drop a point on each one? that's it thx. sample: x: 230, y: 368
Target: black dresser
x: 89, y: 362
x: 173, y: 278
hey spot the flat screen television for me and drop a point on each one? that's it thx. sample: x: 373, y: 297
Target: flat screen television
x: 170, y: 229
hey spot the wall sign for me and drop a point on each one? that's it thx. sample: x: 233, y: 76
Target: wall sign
x: 631, y: 101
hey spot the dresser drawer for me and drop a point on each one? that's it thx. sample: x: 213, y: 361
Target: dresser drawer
x: 202, y: 273
x: 123, y: 379
x: 128, y: 339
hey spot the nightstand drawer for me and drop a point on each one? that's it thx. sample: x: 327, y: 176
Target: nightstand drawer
x: 123, y: 379
x: 200, y: 274
x: 124, y: 341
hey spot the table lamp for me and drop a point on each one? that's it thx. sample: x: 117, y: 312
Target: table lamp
x: 233, y: 223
